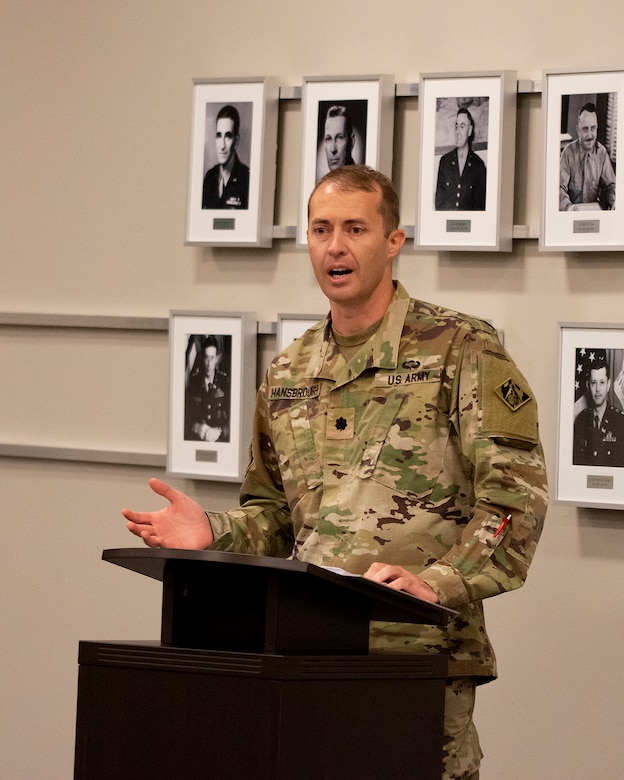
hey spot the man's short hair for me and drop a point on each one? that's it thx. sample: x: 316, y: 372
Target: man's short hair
x: 229, y: 112
x: 210, y: 341
x: 341, y: 111
x: 350, y: 178
x: 589, y: 107
x: 601, y: 362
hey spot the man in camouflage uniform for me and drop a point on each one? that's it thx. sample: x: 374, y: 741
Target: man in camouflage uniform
x: 397, y: 440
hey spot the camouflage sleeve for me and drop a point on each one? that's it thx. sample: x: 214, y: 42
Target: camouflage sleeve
x: 494, y: 415
x: 262, y: 524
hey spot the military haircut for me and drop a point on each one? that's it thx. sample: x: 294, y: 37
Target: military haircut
x: 351, y: 178
x: 229, y: 112
x: 341, y: 111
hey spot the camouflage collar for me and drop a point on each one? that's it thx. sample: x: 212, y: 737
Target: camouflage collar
x: 326, y: 363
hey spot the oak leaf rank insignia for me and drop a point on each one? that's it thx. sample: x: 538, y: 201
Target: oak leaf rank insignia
x: 341, y: 424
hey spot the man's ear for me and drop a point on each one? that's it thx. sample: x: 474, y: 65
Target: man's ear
x: 396, y: 239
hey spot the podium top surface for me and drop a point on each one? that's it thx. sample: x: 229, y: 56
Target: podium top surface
x: 386, y: 603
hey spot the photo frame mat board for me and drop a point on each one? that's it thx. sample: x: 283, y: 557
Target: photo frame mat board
x: 377, y: 93
x: 592, y: 228
x: 257, y: 102
x: 188, y: 454
x: 464, y: 227
x: 579, y: 482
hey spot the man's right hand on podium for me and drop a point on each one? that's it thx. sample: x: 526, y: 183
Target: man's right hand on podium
x: 182, y: 525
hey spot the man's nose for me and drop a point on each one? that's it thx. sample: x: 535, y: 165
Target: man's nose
x: 337, y: 244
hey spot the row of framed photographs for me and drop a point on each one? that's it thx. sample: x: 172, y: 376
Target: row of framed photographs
x: 213, y: 372
x: 467, y: 156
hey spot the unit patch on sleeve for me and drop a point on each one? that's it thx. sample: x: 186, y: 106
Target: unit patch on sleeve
x: 512, y: 394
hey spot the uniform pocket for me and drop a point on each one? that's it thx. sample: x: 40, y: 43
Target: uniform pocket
x: 406, y: 449
x: 299, y: 461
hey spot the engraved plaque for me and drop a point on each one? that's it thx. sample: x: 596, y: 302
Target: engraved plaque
x: 458, y: 225
x: 206, y: 456
x: 222, y: 223
x: 586, y: 226
x: 599, y: 482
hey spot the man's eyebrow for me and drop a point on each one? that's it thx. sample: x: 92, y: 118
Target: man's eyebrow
x: 355, y: 221
x: 344, y: 223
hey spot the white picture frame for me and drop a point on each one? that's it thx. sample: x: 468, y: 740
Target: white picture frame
x: 589, y: 223
x: 479, y: 216
x: 234, y: 128
x: 590, y: 462
x: 210, y: 416
x: 367, y: 104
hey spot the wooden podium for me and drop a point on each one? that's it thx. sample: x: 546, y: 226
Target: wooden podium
x: 262, y: 672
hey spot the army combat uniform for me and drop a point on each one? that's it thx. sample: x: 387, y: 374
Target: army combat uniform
x: 413, y: 453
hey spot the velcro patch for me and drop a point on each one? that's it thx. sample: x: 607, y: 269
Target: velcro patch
x: 294, y: 393
x: 508, y: 408
x: 340, y: 423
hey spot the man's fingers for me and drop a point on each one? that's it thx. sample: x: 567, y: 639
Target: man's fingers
x: 382, y: 572
x: 163, y: 489
x: 136, y: 517
x: 149, y: 540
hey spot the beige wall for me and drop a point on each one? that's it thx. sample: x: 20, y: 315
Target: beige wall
x: 95, y: 129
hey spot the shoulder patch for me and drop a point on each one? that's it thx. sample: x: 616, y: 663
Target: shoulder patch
x: 512, y: 394
x: 508, y: 408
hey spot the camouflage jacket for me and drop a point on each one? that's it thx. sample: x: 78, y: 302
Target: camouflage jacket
x: 412, y: 453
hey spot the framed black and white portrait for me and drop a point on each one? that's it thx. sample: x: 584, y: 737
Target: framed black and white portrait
x: 212, y: 389
x: 582, y: 121
x: 346, y: 120
x: 590, y: 462
x: 467, y: 148
x: 233, y: 162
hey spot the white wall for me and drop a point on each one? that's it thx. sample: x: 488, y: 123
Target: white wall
x: 95, y: 130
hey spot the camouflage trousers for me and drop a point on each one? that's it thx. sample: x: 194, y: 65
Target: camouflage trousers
x: 461, y: 752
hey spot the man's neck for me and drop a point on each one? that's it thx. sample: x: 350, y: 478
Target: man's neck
x: 226, y: 170
x: 349, y: 319
x: 600, y: 410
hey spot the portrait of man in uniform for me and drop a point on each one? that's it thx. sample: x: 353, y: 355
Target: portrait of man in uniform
x: 341, y: 134
x: 207, y: 400
x: 461, y: 145
x: 226, y: 177
x: 599, y: 408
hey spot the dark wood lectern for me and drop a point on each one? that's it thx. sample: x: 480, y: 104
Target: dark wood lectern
x: 262, y: 672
